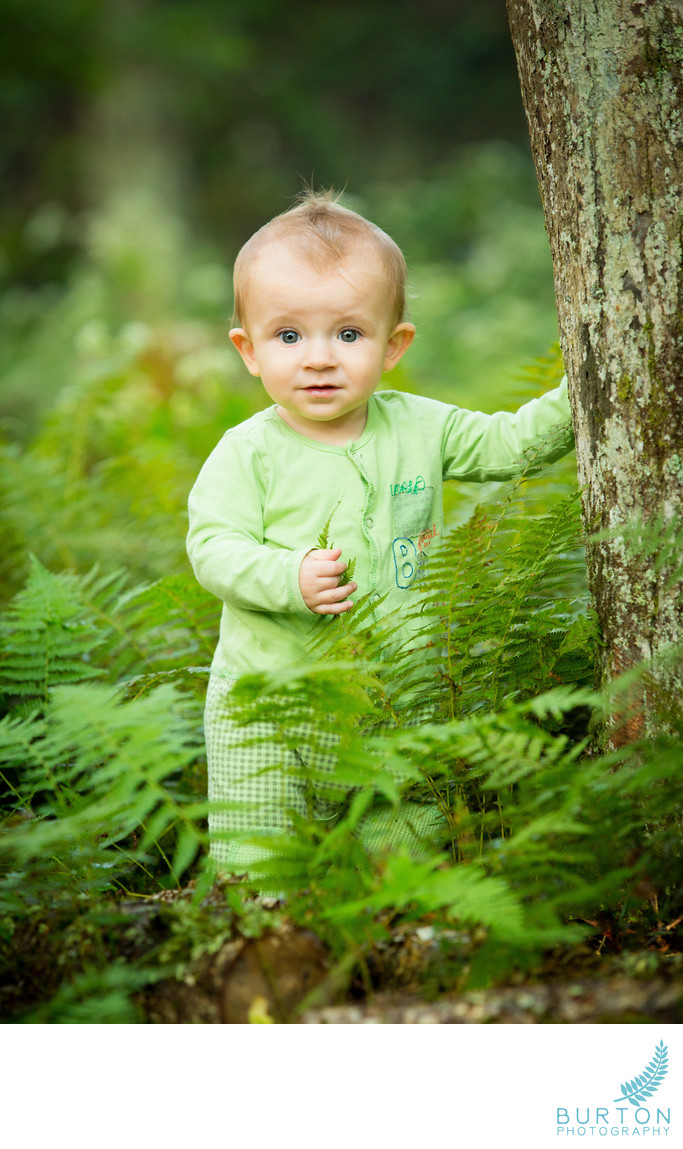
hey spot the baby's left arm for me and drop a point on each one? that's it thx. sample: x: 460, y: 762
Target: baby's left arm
x: 479, y: 448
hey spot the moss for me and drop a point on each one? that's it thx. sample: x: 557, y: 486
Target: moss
x: 660, y: 413
x: 625, y: 389
x: 661, y: 429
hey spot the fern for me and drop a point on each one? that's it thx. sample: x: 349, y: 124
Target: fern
x: 68, y: 628
x: 48, y: 635
x: 174, y: 625
x: 324, y: 543
x: 64, y: 630
x: 107, y: 472
x: 93, y: 771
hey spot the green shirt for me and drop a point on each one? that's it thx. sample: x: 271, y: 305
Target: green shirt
x: 265, y: 493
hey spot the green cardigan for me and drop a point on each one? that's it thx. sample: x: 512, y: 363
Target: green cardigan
x: 265, y: 493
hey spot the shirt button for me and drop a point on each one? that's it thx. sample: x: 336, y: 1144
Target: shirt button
x: 375, y: 598
x: 371, y: 523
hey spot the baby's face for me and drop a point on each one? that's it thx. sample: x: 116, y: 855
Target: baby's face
x: 320, y: 340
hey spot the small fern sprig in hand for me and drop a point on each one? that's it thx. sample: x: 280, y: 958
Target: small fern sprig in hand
x: 324, y: 543
x: 347, y: 575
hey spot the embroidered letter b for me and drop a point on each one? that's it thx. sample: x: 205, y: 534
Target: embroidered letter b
x: 405, y: 562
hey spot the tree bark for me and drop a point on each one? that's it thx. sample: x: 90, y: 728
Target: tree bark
x: 602, y: 86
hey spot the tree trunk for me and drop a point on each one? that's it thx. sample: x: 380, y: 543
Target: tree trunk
x: 602, y: 86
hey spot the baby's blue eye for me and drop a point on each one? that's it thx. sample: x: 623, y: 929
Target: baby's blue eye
x: 349, y: 335
x: 288, y: 337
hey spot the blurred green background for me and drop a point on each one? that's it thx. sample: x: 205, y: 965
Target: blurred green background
x: 142, y: 141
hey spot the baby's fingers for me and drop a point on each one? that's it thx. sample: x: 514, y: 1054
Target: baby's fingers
x: 336, y: 593
x: 333, y: 607
x: 322, y: 556
x: 329, y: 570
x: 327, y: 564
x: 335, y: 601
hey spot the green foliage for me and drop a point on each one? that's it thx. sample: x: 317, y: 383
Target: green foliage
x: 47, y: 635
x: 108, y: 472
x: 482, y: 719
x: 324, y: 543
x: 90, y: 770
x: 94, y: 771
x: 84, y: 75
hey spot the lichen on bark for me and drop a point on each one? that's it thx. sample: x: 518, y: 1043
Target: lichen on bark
x: 602, y: 84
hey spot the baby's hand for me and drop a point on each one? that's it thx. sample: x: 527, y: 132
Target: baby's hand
x: 319, y: 581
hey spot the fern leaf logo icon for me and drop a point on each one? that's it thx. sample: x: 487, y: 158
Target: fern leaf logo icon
x: 648, y: 1081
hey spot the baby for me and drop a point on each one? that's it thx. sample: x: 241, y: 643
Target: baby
x: 320, y: 315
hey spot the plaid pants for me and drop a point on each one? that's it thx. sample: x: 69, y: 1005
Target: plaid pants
x: 260, y: 784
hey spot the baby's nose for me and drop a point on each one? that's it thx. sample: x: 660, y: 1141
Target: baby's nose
x: 320, y: 354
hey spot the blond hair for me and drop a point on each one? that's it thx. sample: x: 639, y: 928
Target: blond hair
x: 324, y: 233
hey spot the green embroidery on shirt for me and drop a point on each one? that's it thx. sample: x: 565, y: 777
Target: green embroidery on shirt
x: 324, y: 544
x: 410, y: 487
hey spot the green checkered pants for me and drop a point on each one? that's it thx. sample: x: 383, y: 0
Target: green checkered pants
x: 256, y: 784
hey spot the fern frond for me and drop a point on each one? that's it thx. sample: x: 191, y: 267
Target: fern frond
x: 324, y: 543
x: 173, y: 621
x: 100, y: 770
x: 466, y: 892
x: 48, y: 636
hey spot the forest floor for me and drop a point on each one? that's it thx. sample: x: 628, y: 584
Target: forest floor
x: 416, y: 974
x: 183, y: 960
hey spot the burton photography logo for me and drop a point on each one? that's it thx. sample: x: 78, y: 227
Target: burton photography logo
x: 632, y: 1114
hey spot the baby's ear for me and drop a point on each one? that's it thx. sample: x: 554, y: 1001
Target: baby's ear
x: 398, y: 343
x: 244, y: 345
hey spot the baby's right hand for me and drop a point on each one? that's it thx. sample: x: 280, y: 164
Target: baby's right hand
x: 319, y: 581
